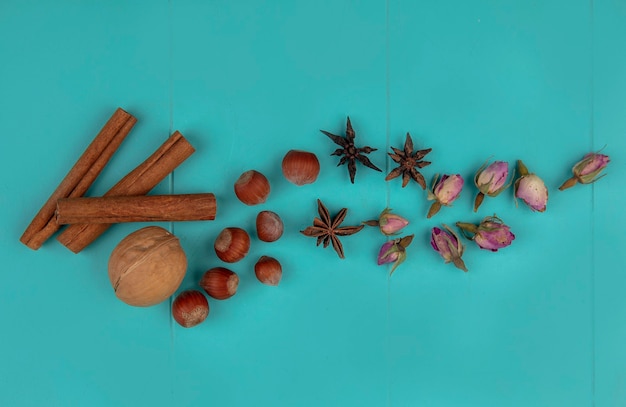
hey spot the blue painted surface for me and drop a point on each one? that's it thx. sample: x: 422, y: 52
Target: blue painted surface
x: 541, y: 323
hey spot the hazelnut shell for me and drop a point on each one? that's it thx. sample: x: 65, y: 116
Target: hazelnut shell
x: 232, y: 244
x: 220, y: 283
x: 190, y: 308
x: 252, y: 188
x: 268, y: 270
x: 300, y: 167
x: 269, y: 226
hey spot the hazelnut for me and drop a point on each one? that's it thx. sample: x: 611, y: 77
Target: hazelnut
x: 190, y: 308
x: 269, y: 226
x: 268, y: 270
x: 220, y: 283
x: 252, y: 188
x: 232, y: 244
x: 147, y: 266
x: 300, y: 167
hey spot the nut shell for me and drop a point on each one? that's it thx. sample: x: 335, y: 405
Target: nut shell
x: 252, y: 188
x: 268, y: 270
x: 300, y: 167
x: 220, y: 283
x: 190, y: 308
x: 232, y: 244
x: 147, y: 266
x: 269, y: 226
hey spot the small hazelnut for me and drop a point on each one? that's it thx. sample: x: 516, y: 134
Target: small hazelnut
x: 300, y: 167
x: 268, y: 270
x: 220, y: 283
x: 232, y: 244
x: 252, y: 188
x: 190, y: 308
x: 269, y: 226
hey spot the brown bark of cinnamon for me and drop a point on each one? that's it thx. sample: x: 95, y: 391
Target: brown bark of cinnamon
x: 80, y: 177
x: 137, y: 208
x: 139, y: 181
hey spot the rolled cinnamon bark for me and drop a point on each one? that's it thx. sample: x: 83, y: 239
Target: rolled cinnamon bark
x: 80, y: 177
x: 139, y: 181
x: 120, y: 209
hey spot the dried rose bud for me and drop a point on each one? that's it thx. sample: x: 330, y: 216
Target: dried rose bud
x: 387, y: 253
x: 448, y: 245
x: 531, y: 189
x: 491, y: 234
x: 389, y: 223
x: 394, y: 252
x: 444, y: 192
x: 491, y: 180
x: 586, y: 171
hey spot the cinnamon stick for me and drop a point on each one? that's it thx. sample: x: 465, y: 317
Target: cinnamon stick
x: 138, y: 208
x: 80, y: 177
x: 139, y: 181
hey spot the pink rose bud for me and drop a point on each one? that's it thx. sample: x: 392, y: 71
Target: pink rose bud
x: 491, y: 180
x: 389, y: 223
x: 531, y: 189
x: 491, y: 234
x: 394, y: 252
x: 448, y: 245
x: 444, y: 192
x: 586, y: 171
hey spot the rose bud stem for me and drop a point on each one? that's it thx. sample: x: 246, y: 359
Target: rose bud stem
x: 434, y: 208
x: 478, y: 201
x: 467, y: 227
x: 459, y: 263
x: 568, y: 184
x: 521, y: 167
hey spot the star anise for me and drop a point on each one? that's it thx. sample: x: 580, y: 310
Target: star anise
x: 327, y: 230
x: 350, y: 152
x: 407, y: 161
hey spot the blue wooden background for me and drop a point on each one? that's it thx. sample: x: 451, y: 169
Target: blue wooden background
x: 541, y: 323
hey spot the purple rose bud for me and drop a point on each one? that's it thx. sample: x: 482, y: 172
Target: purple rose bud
x: 491, y: 234
x: 444, y: 192
x: 394, y: 252
x: 388, y: 253
x: 586, y: 171
x: 531, y: 189
x: 491, y: 180
x: 448, y: 245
